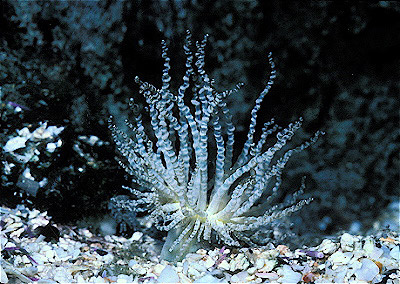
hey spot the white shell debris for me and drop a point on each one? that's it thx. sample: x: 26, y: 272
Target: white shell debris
x: 51, y: 147
x: 40, y: 133
x: 91, y: 140
x: 395, y: 253
x: 8, y: 167
x: 327, y: 246
x: 368, y: 271
x: 15, y: 143
x: 82, y: 257
x: 44, y: 132
x: 168, y: 275
x: 347, y: 242
x: 207, y: 279
x: 3, y: 275
x: 288, y: 275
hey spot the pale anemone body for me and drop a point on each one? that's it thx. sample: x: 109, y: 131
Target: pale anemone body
x: 191, y: 194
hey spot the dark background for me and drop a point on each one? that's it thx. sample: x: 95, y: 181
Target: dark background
x: 73, y: 63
